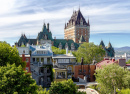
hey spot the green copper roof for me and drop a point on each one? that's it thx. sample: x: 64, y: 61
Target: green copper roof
x: 44, y: 33
x: 63, y: 43
x: 102, y: 43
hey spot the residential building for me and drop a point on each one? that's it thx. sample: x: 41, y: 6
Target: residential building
x: 25, y: 56
x: 60, y: 74
x: 41, y: 64
x: 65, y: 61
x: 124, y: 56
x: 85, y: 72
x: 107, y: 61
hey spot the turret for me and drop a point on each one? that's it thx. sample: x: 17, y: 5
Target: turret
x: 48, y: 27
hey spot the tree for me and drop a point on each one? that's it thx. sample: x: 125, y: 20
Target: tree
x: 89, y: 51
x: 14, y: 79
x: 128, y: 62
x: 9, y: 55
x: 112, y: 77
x: 64, y: 87
x: 58, y: 51
x: 124, y: 91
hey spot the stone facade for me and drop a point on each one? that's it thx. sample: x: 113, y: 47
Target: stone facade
x: 77, y: 27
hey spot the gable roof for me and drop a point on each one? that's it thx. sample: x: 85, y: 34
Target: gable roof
x: 77, y: 17
x: 81, y: 39
x: 63, y: 43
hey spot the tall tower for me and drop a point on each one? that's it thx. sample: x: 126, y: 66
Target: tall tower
x: 77, y: 27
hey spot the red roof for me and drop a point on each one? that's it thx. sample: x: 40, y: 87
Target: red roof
x: 127, y: 64
x: 104, y: 62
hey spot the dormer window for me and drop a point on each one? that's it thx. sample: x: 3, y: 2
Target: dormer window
x: 41, y: 52
x: 81, y: 22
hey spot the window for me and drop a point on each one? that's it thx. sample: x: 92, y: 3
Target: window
x: 72, y: 60
x: 27, y: 69
x: 37, y: 59
x: 23, y: 51
x: 48, y: 60
x: 60, y: 75
x: 80, y: 70
x: 26, y: 60
x: 42, y: 59
x: 33, y: 59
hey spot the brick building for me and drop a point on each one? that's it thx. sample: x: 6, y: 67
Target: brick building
x: 85, y: 70
x: 77, y: 28
x: 26, y: 58
x: 24, y: 54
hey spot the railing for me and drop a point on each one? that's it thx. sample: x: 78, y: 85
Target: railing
x: 41, y: 74
x: 48, y: 74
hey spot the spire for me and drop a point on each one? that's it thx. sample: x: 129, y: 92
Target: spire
x: 102, y: 43
x: 44, y: 27
x: 65, y: 25
x: 79, y: 7
x: 88, y: 21
x: 109, y: 45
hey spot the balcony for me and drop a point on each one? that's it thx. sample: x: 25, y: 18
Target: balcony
x: 48, y: 74
x: 41, y: 64
x: 41, y: 74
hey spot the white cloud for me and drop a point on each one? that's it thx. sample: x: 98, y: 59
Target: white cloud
x: 103, y: 17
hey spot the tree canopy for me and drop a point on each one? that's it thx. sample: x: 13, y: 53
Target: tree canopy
x: 112, y: 76
x: 89, y: 51
x: 9, y: 55
x: 128, y: 62
x: 64, y: 87
x: 58, y: 51
x: 14, y: 79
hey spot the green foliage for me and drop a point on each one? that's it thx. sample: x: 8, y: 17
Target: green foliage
x: 41, y: 91
x: 89, y: 51
x: 128, y: 62
x: 52, y: 73
x: 124, y: 91
x: 58, y: 51
x: 112, y: 76
x: 15, y: 80
x: 10, y: 55
x: 64, y: 87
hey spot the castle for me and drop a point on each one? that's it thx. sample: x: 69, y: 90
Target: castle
x: 76, y: 31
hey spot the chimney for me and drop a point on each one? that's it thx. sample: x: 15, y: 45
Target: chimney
x: 23, y: 57
x: 122, y: 62
x: 66, y: 50
x: 106, y: 58
x: 113, y: 60
x: 48, y: 26
x: 54, y: 38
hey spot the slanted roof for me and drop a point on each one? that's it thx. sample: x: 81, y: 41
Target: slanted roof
x: 102, y: 43
x: 44, y: 33
x: 77, y: 17
x: 63, y: 56
x: 63, y: 43
x: 32, y: 41
x: 81, y: 39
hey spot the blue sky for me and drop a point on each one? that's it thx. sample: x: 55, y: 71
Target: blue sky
x: 109, y: 19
